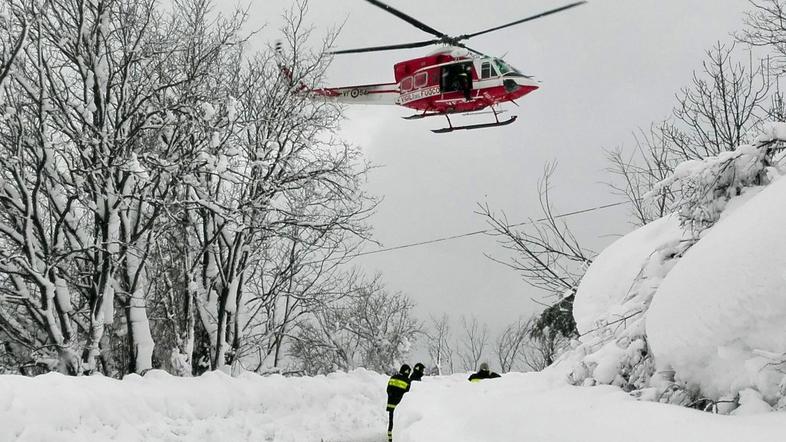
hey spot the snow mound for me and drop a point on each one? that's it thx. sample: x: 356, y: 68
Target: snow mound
x: 212, y: 407
x: 537, y: 407
x: 608, y: 284
x: 349, y: 407
x: 719, y: 315
x: 611, y: 306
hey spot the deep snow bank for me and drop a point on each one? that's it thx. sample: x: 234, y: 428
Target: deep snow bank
x: 607, y: 287
x: 212, y: 407
x: 349, y: 407
x: 611, y: 306
x: 690, y: 309
x: 539, y: 407
x: 722, y: 308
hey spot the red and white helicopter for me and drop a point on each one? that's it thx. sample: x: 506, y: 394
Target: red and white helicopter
x: 452, y: 79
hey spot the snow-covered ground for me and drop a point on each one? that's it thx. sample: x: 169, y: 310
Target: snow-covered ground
x: 350, y: 407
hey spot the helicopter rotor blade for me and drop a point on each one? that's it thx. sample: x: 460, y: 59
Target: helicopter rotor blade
x: 533, y: 17
x: 418, y: 24
x: 417, y: 44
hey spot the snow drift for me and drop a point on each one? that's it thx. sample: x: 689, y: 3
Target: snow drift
x: 605, y: 291
x: 719, y: 317
x: 212, y: 407
x: 349, y: 407
x: 690, y: 308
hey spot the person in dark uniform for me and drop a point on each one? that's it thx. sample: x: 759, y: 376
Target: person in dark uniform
x: 398, y: 384
x: 417, y: 372
x: 464, y: 81
x: 483, y: 373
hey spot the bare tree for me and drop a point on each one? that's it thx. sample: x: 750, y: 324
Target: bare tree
x: 541, y: 350
x: 13, y: 29
x: 545, y: 253
x: 766, y: 27
x: 439, y: 339
x: 370, y: 328
x: 511, y: 342
x: 472, y: 343
x: 719, y: 108
x: 637, y: 173
x: 725, y: 101
x: 549, y: 257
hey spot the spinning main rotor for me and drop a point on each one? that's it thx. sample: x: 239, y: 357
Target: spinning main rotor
x: 442, y: 38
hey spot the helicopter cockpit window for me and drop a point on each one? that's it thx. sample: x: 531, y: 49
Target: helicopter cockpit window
x: 503, y: 67
x: 406, y: 84
x: 421, y: 80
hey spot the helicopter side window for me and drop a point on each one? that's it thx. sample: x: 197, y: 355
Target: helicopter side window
x: 421, y: 80
x: 406, y: 84
x: 485, y: 70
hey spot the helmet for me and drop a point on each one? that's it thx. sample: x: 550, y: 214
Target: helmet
x: 419, y: 366
x: 484, y: 366
x: 404, y: 369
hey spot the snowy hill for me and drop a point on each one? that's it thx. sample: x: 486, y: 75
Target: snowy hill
x: 349, y: 407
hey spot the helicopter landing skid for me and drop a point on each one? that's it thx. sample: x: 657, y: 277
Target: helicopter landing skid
x: 420, y: 116
x: 451, y: 128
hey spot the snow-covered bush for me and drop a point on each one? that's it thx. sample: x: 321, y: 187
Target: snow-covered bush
x: 705, y: 186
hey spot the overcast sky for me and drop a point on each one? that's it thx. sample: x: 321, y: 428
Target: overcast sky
x: 607, y: 68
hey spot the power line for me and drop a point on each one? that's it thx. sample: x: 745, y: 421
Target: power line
x: 478, y: 232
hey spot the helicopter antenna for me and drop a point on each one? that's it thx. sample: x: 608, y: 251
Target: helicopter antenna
x: 443, y: 38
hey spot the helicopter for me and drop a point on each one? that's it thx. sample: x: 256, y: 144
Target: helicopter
x: 452, y: 79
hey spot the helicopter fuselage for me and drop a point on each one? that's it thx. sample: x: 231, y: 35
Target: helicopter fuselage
x: 447, y: 81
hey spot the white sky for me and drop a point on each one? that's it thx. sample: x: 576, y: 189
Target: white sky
x: 607, y: 68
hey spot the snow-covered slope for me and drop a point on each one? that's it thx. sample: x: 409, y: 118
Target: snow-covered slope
x: 349, y: 407
x: 722, y: 308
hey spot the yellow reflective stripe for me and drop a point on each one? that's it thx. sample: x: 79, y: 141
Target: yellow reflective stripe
x: 391, y: 406
x: 398, y: 383
x: 475, y: 380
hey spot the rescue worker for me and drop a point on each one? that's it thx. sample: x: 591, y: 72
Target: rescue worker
x: 464, y: 82
x: 417, y: 372
x: 398, y: 384
x: 483, y: 373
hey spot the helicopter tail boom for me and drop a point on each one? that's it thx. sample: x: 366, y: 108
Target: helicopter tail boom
x: 384, y: 93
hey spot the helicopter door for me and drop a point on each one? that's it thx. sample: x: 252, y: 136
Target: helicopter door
x: 456, y: 77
